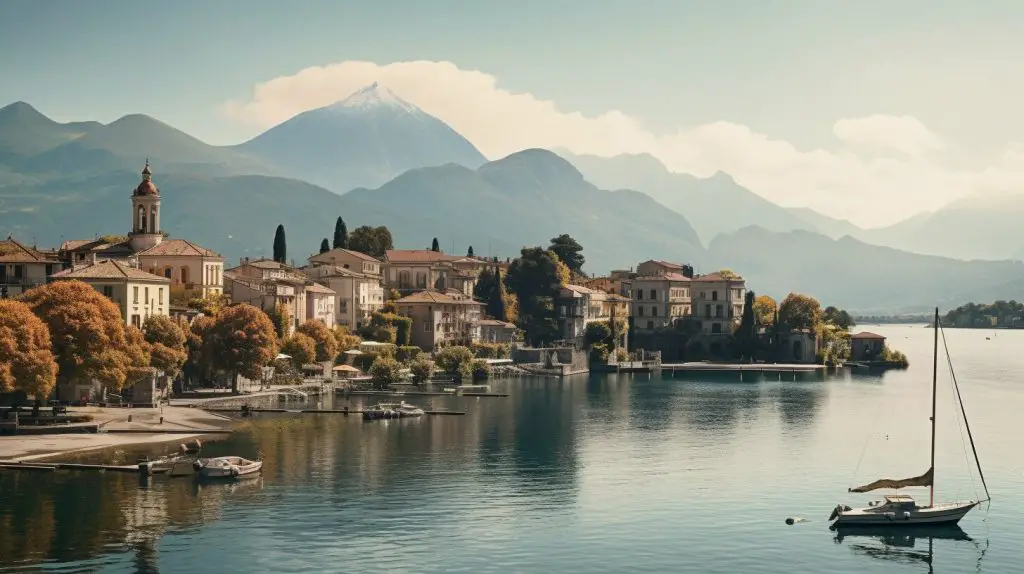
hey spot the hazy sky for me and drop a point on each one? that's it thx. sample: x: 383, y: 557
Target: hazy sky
x: 867, y: 110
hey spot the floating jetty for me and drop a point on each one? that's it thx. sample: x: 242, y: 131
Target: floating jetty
x: 743, y: 367
x: 420, y: 394
x: 316, y: 411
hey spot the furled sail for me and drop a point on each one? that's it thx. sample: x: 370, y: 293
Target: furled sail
x: 923, y: 480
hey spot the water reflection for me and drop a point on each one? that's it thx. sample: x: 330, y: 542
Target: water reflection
x: 901, y: 544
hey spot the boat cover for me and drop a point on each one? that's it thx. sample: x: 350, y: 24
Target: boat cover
x: 923, y: 480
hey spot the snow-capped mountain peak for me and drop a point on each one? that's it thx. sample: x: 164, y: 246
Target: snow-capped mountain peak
x: 374, y: 96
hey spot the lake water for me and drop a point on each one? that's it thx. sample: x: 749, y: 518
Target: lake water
x: 599, y: 474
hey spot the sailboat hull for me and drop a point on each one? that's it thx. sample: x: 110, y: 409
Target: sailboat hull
x: 948, y: 513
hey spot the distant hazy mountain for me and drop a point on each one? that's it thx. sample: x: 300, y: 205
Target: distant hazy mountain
x: 866, y: 278
x: 534, y: 195
x: 975, y: 227
x: 825, y: 225
x: 713, y: 205
x: 364, y: 140
x: 25, y: 132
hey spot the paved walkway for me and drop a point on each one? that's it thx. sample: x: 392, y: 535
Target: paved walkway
x: 32, y: 447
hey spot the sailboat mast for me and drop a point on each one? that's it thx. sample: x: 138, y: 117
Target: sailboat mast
x: 935, y: 386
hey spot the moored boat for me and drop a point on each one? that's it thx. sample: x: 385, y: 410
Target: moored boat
x: 400, y: 410
x: 227, y: 467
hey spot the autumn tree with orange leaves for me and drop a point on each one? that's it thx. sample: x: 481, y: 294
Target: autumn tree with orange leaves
x: 167, y: 341
x: 89, y: 339
x: 241, y: 341
x: 26, y: 358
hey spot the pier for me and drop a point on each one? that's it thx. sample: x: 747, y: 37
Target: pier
x: 316, y: 411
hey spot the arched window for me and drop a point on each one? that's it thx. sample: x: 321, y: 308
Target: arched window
x: 142, y: 220
x: 184, y: 274
x: 403, y: 280
x: 152, y: 219
x: 168, y: 271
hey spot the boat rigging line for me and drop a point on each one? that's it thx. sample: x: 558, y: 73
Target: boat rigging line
x: 963, y: 412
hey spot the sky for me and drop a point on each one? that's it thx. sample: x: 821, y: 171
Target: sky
x: 871, y: 111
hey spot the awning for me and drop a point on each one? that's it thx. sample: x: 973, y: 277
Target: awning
x: 923, y: 480
x: 282, y: 356
x: 346, y: 368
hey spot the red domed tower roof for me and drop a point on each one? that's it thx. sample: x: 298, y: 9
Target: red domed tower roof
x: 146, y: 186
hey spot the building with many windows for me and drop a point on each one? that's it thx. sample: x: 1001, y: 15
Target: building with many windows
x: 138, y: 294
x: 718, y: 302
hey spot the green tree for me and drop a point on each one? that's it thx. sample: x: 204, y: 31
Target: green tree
x: 435, y: 246
x: 385, y: 372
x: 280, y: 245
x: 301, y: 348
x: 199, y: 365
x: 325, y: 246
x: 326, y: 344
x: 764, y: 311
x: 456, y: 361
x: 469, y: 252
x: 569, y: 251
x: 422, y: 368
x: 373, y: 241
x: 27, y: 363
x: 340, y: 234
x: 800, y: 312
x: 281, y: 318
x: 536, y: 277
x: 597, y: 332
x: 498, y: 301
x: 87, y: 334
x: 241, y: 342
x: 838, y: 317
x: 167, y: 342
x: 746, y: 335
x: 728, y: 274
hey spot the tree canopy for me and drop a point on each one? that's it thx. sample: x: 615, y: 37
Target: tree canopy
x: 469, y: 252
x: 324, y: 246
x: 434, y: 245
x: 764, y: 310
x: 241, y: 341
x: 838, y: 317
x: 385, y: 371
x: 569, y: 251
x: 536, y: 277
x: 799, y: 312
x: 340, y: 234
x: 301, y: 348
x: 746, y: 334
x: 27, y: 363
x: 373, y: 241
x: 167, y: 342
x: 280, y: 245
x: 87, y: 332
x: 326, y: 344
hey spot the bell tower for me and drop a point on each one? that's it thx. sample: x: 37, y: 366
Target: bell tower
x: 146, y: 231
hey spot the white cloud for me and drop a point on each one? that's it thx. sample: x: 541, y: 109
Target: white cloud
x: 883, y: 168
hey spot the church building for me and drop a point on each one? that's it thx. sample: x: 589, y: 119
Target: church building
x: 193, y: 271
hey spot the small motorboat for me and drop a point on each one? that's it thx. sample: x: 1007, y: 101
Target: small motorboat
x: 227, y: 467
x: 391, y: 411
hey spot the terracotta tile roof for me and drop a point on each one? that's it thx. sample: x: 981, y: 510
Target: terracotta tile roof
x: 336, y: 271
x: 435, y: 297
x: 668, y: 264
x: 349, y: 252
x: 97, y: 246
x: 318, y: 288
x: 496, y: 323
x: 717, y: 277
x: 866, y: 335
x: 109, y: 269
x: 416, y: 256
x: 174, y: 247
x: 11, y: 251
x: 678, y: 277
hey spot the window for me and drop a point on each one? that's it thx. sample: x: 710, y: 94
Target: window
x: 49, y: 269
x: 146, y: 300
x: 650, y: 324
x: 639, y: 294
x: 141, y: 224
x: 108, y: 291
x: 136, y: 321
x: 184, y: 274
x: 160, y: 296
x: 167, y: 272
x: 427, y: 327
x: 19, y: 271
x: 654, y: 311
x: 421, y: 280
x: 707, y: 310
x: 135, y: 295
x: 641, y: 310
x: 654, y: 295
x: 714, y: 295
x: 718, y: 310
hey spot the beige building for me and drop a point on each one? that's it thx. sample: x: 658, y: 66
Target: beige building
x: 23, y: 267
x: 320, y: 304
x: 139, y: 295
x: 193, y: 271
x: 718, y: 302
x: 577, y: 306
x: 357, y: 295
x: 658, y: 267
x: 351, y: 260
x: 497, y: 331
x: 411, y: 270
x: 659, y: 301
x: 267, y: 284
x: 440, y: 319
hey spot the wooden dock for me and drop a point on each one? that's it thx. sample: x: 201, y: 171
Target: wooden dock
x: 318, y: 411
x: 743, y: 367
x: 419, y: 394
x: 55, y: 466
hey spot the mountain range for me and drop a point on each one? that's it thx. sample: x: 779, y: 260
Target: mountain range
x: 422, y: 179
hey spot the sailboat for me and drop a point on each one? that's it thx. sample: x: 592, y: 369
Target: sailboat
x: 901, y: 509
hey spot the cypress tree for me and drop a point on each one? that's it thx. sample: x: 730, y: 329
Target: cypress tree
x: 325, y: 246
x: 496, y: 300
x: 340, y: 234
x: 280, y: 246
x: 435, y: 246
x: 747, y: 333
x: 470, y: 252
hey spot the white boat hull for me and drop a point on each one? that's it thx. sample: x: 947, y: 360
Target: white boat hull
x: 227, y: 467
x: 947, y: 513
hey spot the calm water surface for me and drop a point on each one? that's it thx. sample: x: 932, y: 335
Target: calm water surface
x: 606, y: 474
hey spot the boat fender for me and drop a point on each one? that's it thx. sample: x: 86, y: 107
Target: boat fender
x: 906, y: 515
x: 234, y: 471
x: 197, y: 465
